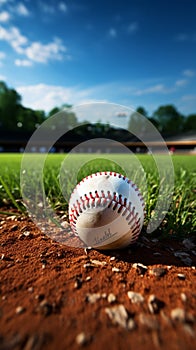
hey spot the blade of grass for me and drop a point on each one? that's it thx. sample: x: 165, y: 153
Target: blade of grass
x: 9, y: 194
x: 9, y: 213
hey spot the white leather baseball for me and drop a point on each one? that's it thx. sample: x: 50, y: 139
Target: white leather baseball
x: 106, y: 211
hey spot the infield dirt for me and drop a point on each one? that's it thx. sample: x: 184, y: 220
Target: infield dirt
x: 57, y: 297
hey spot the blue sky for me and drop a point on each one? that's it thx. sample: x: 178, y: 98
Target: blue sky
x: 135, y: 53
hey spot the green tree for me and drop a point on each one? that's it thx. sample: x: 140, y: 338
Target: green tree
x: 190, y: 123
x: 66, y: 119
x: 137, y: 124
x: 10, y: 104
x: 53, y: 111
x: 142, y: 111
x: 170, y: 121
x: 28, y: 119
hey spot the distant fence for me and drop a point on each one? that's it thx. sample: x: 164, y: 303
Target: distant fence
x: 14, y: 145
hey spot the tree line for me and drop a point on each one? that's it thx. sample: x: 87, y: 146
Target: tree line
x: 20, y: 120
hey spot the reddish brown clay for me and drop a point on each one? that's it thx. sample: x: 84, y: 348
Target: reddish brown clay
x: 57, y: 297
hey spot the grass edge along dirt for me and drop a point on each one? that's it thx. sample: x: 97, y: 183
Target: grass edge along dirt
x: 180, y: 220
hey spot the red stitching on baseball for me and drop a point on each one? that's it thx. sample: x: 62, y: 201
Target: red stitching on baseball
x: 111, y: 173
x: 132, y: 216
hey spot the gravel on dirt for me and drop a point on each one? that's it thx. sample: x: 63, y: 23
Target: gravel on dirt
x: 57, y: 297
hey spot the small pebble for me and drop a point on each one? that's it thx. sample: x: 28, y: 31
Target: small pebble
x: 154, y: 304
x: 135, y: 297
x: 158, y: 271
x: 140, y: 268
x: 118, y: 315
x: 45, y: 308
x: 87, y: 265
x: 88, y: 278
x: 78, y: 283
x: 115, y: 269
x: 39, y: 297
x: 64, y: 224
x: 181, y: 276
x: 131, y: 324
x: 20, y: 310
x: 183, y: 297
x: 112, y: 258
x: 92, y: 298
x: 111, y: 298
x: 12, y: 217
x: 30, y: 289
x: 98, y: 263
x: 26, y: 233
x: 178, y: 314
x: 104, y: 295
x: 81, y: 339
x: 181, y: 316
x: 87, y: 249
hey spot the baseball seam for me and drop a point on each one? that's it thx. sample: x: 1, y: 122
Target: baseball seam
x: 112, y: 173
x: 115, y: 202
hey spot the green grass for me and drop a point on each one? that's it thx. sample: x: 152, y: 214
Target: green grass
x: 180, y: 220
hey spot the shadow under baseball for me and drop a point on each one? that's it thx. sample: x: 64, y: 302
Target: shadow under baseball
x: 147, y: 251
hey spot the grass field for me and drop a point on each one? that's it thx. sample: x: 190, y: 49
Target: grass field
x: 61, y: 175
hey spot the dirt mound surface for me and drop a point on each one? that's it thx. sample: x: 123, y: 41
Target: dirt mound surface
x: 57, y: 297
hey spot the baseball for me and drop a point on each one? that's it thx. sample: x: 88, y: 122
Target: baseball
x: 106, y: 211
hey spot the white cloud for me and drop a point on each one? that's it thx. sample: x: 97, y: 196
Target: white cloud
x: 189, y: 73
x: 181, y: 82
x: 39, y: 52
x: 62, y: 7
x: 132, y: 28
x: 22, y: 10
x: 51, y: 9
x: 189, y: 98
x: 14, y: 38
x: 35, y: 51
x: 159, y: 88
x: 4, y: 16
x: 23, y: 63
x: 46, y: 97
x: 112, y: 33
